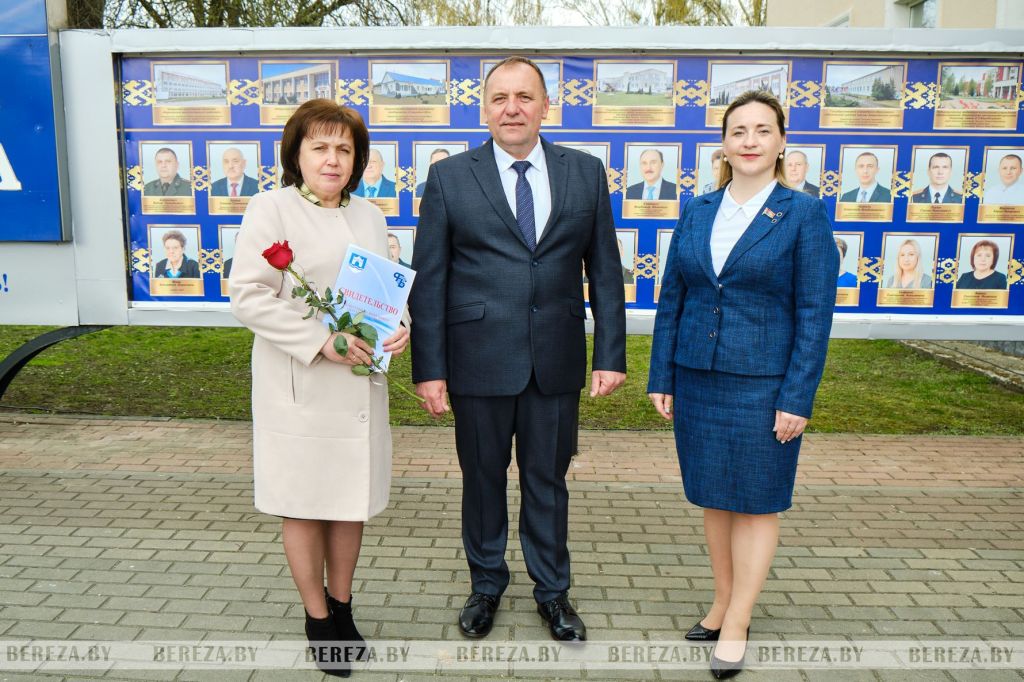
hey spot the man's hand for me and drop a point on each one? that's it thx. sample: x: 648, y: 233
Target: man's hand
x: 662, y: 403
x: 434, y: 395
x: 603, y: 382
x: 788, y: 426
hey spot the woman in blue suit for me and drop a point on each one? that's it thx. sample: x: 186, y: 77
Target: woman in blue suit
x: 739, y: 347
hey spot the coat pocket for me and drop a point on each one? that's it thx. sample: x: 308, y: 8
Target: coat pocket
x: 295, y: 372
x: 465, y: 313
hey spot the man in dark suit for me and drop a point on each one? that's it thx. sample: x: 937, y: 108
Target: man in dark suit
x: 498, y: 309
x: 653, y: 187
x: 796, y: 174
x: 395, y: 250
x: 435, y: 156
x: 868, y: 191
x: 235, y: 182
x: 373, y: 184
x: 938, y: 191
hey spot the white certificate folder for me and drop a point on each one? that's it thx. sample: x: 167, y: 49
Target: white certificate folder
x: 376, y: 287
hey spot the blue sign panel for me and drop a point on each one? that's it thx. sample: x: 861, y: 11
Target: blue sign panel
x: 23, y: 17
x: 29, y: 176
x: 917, y: 160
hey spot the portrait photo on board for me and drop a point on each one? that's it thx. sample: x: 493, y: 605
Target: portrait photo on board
x: 651, y: 172
x: 1004, y: 182
x: 909, y: 261
x: 802, y: 165
x: 709, y: 165
x: 983, y: 261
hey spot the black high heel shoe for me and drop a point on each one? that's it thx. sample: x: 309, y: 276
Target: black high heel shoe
x: 723, y: 670
x: 699, y: 633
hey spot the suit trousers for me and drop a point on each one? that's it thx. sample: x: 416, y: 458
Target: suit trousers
x: 545, y: 429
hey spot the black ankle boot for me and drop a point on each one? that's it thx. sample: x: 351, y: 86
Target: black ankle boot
x: 325, y: 650
x: 345, y: 629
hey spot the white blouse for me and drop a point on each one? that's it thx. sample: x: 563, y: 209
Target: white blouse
x: 732, y: 220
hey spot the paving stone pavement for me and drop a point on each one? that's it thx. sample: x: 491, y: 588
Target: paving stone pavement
x: 132, y: 529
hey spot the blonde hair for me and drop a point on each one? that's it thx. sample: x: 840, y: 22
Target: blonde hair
x: 917, y: 272
x: 770, y: 101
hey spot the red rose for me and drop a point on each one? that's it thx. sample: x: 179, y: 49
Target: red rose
x: 279, y: 255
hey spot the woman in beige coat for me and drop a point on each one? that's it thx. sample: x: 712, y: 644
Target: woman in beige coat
x: 321, y: 439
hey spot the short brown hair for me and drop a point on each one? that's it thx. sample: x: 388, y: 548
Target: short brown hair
x: 516, y: 59
x: 180, y: 238
x: 986, y: 244
x: 769, y: 100
x: 315, y: 115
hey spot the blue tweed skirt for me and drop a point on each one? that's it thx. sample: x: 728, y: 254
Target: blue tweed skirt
x: 728, y: 454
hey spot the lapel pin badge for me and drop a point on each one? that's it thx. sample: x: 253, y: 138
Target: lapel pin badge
x: 773, y: 215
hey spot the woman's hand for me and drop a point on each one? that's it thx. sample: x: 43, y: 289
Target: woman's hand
x: 788, y: 426
x: 662, y: 403
x: 397, y: 342
x: 359, y: 353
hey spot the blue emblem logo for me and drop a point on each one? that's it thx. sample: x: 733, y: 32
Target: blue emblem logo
x: 358, y: 262
x: 400, y: 280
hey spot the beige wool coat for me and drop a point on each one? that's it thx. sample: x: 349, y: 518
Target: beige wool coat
x: 321, y: 439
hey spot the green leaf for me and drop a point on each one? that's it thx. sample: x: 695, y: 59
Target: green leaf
x: 341, y: 345
x: 333, y: 327
x: 351, y: 329
x: 327, y: 294
x: 340, y: 298
x: 361, y: 370
x: 310, y: 314
x: 359, y: 317
x: 298, y: 292
x: 345, y: 320
x: 368, y: 333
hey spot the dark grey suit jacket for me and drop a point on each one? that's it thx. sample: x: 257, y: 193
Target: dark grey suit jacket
x: 487, y: 312
x: 667, y: 191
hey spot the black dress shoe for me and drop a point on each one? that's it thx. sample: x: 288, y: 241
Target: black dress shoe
x: 723, y: 670
x: 562, y: 620
x: 699, y: 633
x: 477, y: 617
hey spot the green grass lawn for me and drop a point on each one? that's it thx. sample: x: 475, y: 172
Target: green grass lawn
x: 869, y: 386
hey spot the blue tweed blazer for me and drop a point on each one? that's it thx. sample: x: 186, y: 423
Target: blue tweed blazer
x: 768, y: 313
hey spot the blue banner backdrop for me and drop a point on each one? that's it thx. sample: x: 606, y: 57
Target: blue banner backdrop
x: 29, y: 180
x: 907, y: 114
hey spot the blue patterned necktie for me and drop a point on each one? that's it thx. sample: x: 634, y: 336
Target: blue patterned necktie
x: 372, y: 191
x: 649, y: 194
x: 524, y: 205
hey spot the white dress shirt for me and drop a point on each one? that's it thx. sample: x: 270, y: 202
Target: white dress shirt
x: 732, y: 220
x: 865, y: 192
x: 536, y: 175
x: 998, y: 193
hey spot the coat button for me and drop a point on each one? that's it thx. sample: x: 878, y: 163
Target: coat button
x: 716, y: 311
x: 713, y: 334
x: 363, y: 416
x: 534, y: 308
x: 535, y: 263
